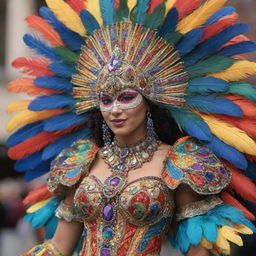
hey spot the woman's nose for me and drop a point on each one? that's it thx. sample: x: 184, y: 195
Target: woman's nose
x: 116, y: 110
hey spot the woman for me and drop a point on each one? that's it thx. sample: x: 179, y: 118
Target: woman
x: 145, y: 68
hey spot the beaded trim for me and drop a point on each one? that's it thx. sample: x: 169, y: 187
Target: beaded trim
x: 46, y: 248
x: 66, y: 212
x: 198, y: 208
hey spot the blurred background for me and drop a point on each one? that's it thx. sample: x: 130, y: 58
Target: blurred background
x: 16, y: 235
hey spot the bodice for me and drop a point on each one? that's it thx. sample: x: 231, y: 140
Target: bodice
x: 143, y: 212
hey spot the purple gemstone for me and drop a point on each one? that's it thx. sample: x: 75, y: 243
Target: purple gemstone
x: 197, y: 167
x: 105, y: 251
x: 211, y: 160
x: 210, y: 176
x: 108, y: 212
x: 203, y: 153
x: 115, y: 181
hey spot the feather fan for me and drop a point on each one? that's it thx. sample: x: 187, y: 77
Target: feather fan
x: 107, y: 11
x: 93, y: 6
x: 39, y: 194
x: 18, y: 105
x: 200, y: 15
x: 45, y: 29
x: 29, y: 117
x: 77, y: 5
x: 62, y: 69
x: 238, y: 71
x: 33, y: 66
x: 231, y: 135
x: 67, y: 15
x: 185, y: 7
x: 26, y: 85
x: 36, y: 143
x: 244, y: 89
x: 54, y: 83
x: 227, y: 198
x: 154, y: 4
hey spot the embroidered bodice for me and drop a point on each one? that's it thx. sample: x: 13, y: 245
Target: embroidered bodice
x: 144, y: 207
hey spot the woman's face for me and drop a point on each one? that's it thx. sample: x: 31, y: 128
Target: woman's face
x: 124, y: 114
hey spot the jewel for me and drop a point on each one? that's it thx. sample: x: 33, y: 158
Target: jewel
x: 197, y: 167
x: 107, y: 233
x: 105, y: 251
x: 209, y: 176
x: 145, y: 155
x: 108, y: 212
x: 115, y: 181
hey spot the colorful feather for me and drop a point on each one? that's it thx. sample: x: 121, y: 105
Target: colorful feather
x: 154, y: 4
x: 93, y: 6
x: 45, y: 29
x: 33, y: 66
x: 67, y: 55
x: 62, y: 69
x: 185, y: 7
x: 107, y: 11
x: 170, y: 23
x: 169, y: 4
x: 155, y: 19
x: 40, y: 47
x: 73, y: 40
x: 89, y: 22
x: 29, y: 117
x: 231, y: 135
x: 121, y: 10
x: 200, y: 15
x: 251, y: 171
x: 77, y: 5
x: 51, y: 102
x: 67, y: 16
x: 26, y: 85
x: 139, y: 13
x: 19, y: 105
x: 131, y: 4
x: 54, y: 83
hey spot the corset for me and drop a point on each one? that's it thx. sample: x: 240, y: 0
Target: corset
x: 142, y: 213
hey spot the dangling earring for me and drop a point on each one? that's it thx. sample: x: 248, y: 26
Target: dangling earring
x: 106, y: 134
x: 150, y: 126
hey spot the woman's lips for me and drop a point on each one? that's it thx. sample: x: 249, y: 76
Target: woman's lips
x: 118, y: 122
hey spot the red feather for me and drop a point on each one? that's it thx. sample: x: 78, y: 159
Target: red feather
x: 42, y: 26
x: 33, y: 66
x: 77, y: 5
x: 185, y: 7
x: 219, y: 26
x: 227, y: 198
x: 36, y: 143
x: 247, y: 106
x: 154, y: 4
x: 235, y: 40
x: 117, y: 4
x: 39, y: 194
x: 25, y: 85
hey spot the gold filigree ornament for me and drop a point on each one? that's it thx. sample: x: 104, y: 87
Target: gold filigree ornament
x: 126, y: 55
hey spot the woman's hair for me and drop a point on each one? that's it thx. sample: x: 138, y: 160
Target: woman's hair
x: 165, y: 126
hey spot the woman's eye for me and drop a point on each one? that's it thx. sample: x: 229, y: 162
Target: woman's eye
x: 126, y: 97
x: 106, y: 100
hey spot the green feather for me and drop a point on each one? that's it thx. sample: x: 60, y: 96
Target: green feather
x: 210, y: 65
x: 155, y: 19
x: 173, y: 38
x: 122, y: 12
x: 66, y: 55
x: 244, y: 89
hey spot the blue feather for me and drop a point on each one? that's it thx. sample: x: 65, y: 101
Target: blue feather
x: 215, y: 105
x: 181, y: 238
x: 210, y: 231
x: 170, y: 23
x: 227, y: 152
x: 28, y: 163
x: 211, y: 45
x: 50, y: 227
x: 54, y: 83
x: 24, y: 133
x: 205, y: 85
x: 40, y: 47
x: 62, y: 70
x: 107, y: 11
x: 250, y: 172
x: 51, y: 102
x: 90, y: 23
x: 63, y: 121
x: 64, y: 142
x: 139, y: 12
x: 225, y: 11
x: 191, y: 123
x: 239, y: 48
x: 194, y: 231
x: 73, y: 40
x: 40, y: 170
x: 189, y: 41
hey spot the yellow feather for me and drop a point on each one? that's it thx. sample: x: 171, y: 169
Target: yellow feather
x: 18, y: 105
x: 238, y: 71
x: 67, y: 15
x: 28, y: 117
x: 200, y: 16
x: 242, y: 229
x: 93, y: 6
x: 206, y: 244
x: 37, y: 206
x: 222, y: 242
x: 231, y: 135
x: 168, y: 5
x: 131, y: 4
x: 231, y: 235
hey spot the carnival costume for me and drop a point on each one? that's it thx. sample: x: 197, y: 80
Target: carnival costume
x: 185, y: 56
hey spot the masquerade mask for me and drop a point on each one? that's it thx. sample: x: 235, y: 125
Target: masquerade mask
x: 127, y: 99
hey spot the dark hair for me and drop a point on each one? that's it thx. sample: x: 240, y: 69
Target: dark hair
x: 165, y: 126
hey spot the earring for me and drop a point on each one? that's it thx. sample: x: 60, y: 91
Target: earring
x: 106, y: 134
x: 150, y: 126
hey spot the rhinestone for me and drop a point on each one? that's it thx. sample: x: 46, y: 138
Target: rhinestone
x: 108, y: 212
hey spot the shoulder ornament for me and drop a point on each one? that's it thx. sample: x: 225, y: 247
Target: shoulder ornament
x: 72, y: 164
x: 191, y: 163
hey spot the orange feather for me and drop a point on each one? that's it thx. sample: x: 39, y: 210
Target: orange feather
x: 235, y: 40
x: 33, y: 66
x: 39, y: 194
x: 77, y: 5
x: 36, y: 143
x: 25, y: 85
x: 219, y: 26
x: 185, y: 7
x: 227, y: 198
x: 43, y: 27
x: 153, y: 5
